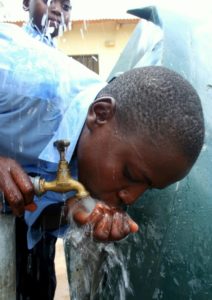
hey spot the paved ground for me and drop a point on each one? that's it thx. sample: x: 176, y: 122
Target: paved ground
x: 62, y: 291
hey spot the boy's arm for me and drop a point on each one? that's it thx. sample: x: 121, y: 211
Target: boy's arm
x: 108, y: 223
x: 16, y: 186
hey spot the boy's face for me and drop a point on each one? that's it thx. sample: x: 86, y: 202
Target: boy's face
x: 49, y: 14
x: 118, y: 169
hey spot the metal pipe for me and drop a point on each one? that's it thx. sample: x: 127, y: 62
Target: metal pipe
x: 7, y: 253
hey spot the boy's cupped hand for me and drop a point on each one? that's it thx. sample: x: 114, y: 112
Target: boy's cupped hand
x: 108, y: 223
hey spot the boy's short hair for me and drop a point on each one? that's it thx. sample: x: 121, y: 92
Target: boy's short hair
x: 160, y: 104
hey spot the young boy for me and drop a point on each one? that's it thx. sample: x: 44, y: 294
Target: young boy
x: 143, y: 130
x: 47, y: 18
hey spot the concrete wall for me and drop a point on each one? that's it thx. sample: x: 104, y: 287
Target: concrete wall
x: 104, y: 38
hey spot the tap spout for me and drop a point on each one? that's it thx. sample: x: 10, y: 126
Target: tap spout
x: 63, y: 182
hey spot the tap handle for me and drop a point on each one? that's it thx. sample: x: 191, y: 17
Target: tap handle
x: 61, y: 146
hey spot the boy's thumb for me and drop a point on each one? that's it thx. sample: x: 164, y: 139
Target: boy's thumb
x: 133, y: 226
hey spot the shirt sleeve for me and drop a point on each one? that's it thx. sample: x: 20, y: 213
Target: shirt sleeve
x: 44, y: 96
x: 41, y: 91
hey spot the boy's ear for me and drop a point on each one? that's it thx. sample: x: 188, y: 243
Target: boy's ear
x: 101, y: 111
x: 26, y: 5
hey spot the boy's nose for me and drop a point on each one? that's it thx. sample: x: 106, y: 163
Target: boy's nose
x: 56, y: 6
x: 131, y: 194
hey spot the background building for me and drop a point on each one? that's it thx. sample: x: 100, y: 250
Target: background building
x: 98, y: 32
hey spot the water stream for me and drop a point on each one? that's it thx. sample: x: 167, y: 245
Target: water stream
x: 93, y: 265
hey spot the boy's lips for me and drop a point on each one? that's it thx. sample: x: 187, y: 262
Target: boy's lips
x: 108, y: 199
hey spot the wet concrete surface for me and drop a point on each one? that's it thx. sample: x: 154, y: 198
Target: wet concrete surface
x: 62, y: 290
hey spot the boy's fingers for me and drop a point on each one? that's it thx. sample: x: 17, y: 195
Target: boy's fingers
x: 16, y: 185
x: 14, y: 197
x: 96, y: 215
x: 76, y: 210
x: 133, y: 226
x: 110, y: 224
x: 122, y: 226
x: 82, y: 216
x: 119, y: 228
x: 31, y: 207
x: 102, y: 229
x: 24, y: 183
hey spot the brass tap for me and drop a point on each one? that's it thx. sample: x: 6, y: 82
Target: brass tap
x: 63, y: 182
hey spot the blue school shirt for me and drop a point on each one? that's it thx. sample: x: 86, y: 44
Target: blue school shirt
x: 34, y: 32
x: 44, y: 97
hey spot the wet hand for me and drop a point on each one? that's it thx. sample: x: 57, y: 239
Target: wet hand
x: 16, y: 186
x: 108, y: 223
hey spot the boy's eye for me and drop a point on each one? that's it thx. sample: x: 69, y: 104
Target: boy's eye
x: 67, y: 6
x: 128, y: 175
x: 131, y: 178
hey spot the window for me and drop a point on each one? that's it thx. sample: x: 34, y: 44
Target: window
x: 90, y: 61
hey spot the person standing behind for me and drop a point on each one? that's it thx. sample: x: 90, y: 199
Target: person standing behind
x: 47, y: 19
x: 36, y: 277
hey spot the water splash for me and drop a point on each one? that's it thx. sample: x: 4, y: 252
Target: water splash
x: 48, y: 28
x: 43, y: 20
x: 92, y: 266
x: 82, y: 33
x: 85, y: 25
